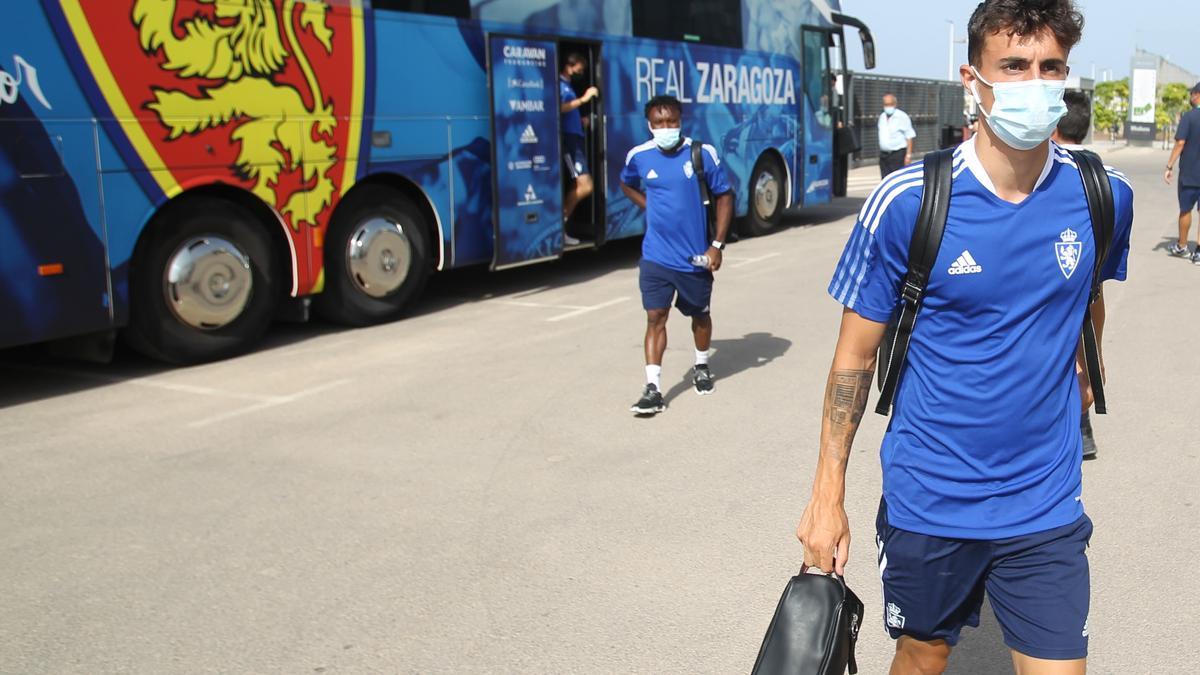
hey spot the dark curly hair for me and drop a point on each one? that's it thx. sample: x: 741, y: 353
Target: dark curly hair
x: 1023, y: 18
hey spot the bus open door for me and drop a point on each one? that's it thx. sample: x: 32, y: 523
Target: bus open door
x: 586, y: 224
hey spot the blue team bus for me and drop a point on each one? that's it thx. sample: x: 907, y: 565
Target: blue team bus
x: 185, y: 171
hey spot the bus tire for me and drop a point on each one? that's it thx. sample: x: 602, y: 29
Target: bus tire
x: 376, y: 258
x: 204, y: 283
x: 765, y: 198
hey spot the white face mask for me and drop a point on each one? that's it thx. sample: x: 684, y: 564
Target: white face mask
x: 889, y: 109
x: 665, y: 138
x: 1024, y: 114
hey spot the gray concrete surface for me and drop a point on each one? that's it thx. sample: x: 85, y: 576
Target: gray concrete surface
x: 465, y: 491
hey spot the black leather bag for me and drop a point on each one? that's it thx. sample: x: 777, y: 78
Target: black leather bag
x: 814, y: 629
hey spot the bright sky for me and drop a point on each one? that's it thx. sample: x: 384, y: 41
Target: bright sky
x: 912, y: 37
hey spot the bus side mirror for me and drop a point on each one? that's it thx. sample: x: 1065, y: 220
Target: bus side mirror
x: 868, y: 44
x: 864, y: 35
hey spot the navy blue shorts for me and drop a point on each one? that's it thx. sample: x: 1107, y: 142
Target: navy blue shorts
x: 691, y: 291
x: 574, y: 155
x: 1189, y: 196
x: 1038, y: 585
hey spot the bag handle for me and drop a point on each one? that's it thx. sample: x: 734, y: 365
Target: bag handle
x: 922, y: 255
x: 1102, y: 213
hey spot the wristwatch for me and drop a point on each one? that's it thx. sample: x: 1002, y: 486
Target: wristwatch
x: 719, y: 245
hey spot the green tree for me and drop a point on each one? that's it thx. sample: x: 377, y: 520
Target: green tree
x: 1172, y: 101
x: 1110, y: 103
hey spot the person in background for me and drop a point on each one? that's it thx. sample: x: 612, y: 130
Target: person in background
x: 1187, y: 150
x: 574, y: 147
x: 659, y: 177
x: 1072, y: 129
x: 896, y: 136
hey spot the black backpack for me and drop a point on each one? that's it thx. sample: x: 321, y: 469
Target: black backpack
x: 923, y: 251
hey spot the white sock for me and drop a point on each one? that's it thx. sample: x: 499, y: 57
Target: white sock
x: 654, y: 376
x: 702, y: 357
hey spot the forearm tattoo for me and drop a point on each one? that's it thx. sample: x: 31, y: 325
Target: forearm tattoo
x: 846, y: 400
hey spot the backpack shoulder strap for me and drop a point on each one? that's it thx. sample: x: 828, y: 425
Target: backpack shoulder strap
x: 922, y: 255
x: 1098, y: 190
x: 705, y: 193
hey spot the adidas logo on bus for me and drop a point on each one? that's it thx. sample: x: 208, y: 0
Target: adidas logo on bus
x: 965, y: 265
x: 531, y: 197
x: 528, y: 136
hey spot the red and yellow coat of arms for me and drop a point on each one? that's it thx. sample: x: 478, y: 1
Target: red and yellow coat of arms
x: 266, y: 95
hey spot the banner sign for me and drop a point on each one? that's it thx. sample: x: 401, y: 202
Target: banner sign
x: 526, y: 170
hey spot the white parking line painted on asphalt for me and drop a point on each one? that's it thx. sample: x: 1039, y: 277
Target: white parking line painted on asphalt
x: 584, y: 310
x: 747, y: 261
x: 319, y: 347
x: 137, y: 382
x: 536, y: 305
x: 268, y: 402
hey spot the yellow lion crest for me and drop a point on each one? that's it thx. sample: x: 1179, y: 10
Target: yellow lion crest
x: 247, y: 50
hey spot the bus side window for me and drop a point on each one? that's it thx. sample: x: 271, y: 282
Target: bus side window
x: 710, y: 22
x: 459, y: 9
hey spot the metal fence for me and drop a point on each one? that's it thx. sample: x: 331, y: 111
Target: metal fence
x: 935, y: 106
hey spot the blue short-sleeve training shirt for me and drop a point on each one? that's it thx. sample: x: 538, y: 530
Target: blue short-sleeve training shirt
x: 676, y: 228
x: 1189, y: 161
x: 984, y: 441
x: 572, y: 122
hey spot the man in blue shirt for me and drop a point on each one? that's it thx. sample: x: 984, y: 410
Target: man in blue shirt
x: 574, y: 147
x: 982, y: 481
x: 676, y: 233
x: 1187, y: 146
x: 896, y: 136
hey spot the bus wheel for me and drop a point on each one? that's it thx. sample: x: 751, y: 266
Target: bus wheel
x: 766, y: 197
x: 376, y: 257
x: 203, y: 285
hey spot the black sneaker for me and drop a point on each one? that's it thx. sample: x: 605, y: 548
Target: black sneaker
x: 651, y: 402
x: 702, y: 380
x: 1089, y: 442
x: 1196, y: 256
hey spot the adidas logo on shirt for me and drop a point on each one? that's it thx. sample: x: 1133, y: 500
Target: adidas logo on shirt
x: 965, y: 265
x: 652, y: 174
x: 528, y: 136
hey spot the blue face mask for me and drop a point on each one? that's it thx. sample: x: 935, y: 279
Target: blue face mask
x: 889, y: 109
x: 666, y: 138
x: 1024, y: 114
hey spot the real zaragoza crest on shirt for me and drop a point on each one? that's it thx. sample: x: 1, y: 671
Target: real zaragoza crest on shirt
x: 1068, y: 250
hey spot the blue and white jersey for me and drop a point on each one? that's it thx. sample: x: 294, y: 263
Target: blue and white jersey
x: 572, y: 121
x: 984, y: 441
x: 676, y: 226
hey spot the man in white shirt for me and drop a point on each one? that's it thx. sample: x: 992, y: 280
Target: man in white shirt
x: 896, y: 136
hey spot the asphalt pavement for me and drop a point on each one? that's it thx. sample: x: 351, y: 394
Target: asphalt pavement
x: 465, y: 490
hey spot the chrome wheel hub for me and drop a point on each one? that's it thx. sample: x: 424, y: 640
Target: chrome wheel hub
x: 378, y: 256
x: 766, y: 195
x: 208, y: 282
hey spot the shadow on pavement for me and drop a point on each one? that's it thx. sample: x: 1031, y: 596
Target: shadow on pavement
x: 1165, y: 244
x: 730, y: 357
x: 826, y: 213
x: 981, y: 651
x: 38, y: 372
x: 471, y: 284
x: 34, y: 373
